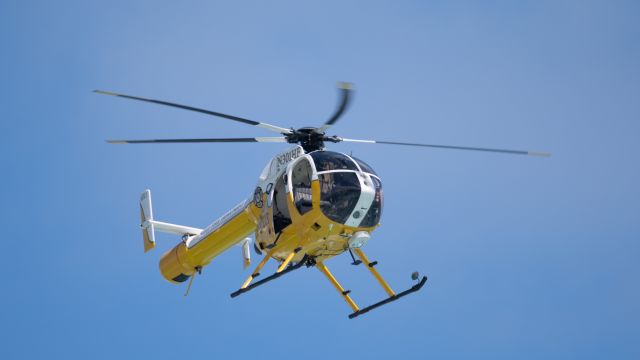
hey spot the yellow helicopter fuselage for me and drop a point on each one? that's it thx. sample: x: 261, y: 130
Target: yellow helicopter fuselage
x: 308, y: 206
x: 303, y: 205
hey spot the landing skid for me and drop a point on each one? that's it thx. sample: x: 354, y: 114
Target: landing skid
x: 371, y: 266
x: 413, y: 289
x: 288, y: 269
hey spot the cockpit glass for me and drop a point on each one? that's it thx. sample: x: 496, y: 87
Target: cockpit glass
x: 364, y: 166
x: 339, y: 194
x: 372, y: 217
x: 329, y: 160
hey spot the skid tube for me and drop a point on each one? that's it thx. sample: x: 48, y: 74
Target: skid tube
x: 290, y: 268
x: 392, y: 298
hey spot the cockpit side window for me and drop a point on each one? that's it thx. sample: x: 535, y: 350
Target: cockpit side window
x: 329, y: 160
x: 301, y: 182
x: 281, y: 216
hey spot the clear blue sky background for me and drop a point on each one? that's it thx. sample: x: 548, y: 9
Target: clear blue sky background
x: 527, y: 257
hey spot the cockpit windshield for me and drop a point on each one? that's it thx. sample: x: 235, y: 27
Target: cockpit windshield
x: 339, y: 194
x: 329, y: 160
x: 343, y: 188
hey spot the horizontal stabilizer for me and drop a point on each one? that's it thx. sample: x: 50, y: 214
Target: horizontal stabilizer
x: 149, y: 226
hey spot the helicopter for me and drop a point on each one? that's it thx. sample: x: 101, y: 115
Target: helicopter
x: 309, y: 205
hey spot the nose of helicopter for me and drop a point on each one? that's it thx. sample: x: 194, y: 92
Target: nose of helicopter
x: 350, y: 191
x: 350, y: 198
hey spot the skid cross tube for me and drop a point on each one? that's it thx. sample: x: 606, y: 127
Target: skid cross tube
x: 269, y: 278
x: 413, y: 289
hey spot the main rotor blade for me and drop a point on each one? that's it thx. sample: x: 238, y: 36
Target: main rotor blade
x: 270, y: 127
x: 504, y: 151
x: 345, y: 97
x: 221, y: 140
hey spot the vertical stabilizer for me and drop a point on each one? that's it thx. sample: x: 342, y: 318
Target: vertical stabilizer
x: 146, y: 221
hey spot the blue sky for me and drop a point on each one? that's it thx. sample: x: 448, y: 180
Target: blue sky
x: 527, y: 257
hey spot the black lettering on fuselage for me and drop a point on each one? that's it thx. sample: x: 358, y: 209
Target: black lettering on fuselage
x: 288, y: 156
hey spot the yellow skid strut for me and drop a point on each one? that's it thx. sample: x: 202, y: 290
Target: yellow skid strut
x: 248, y: 285
x: 257, y: 270
x: 345, y: 294
x: 287, y: 260
x: 374, y: 272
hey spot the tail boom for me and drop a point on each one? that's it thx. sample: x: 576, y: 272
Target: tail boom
x: 179, y: 263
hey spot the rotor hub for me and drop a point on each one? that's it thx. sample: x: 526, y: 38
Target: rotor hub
x: 310, y: 138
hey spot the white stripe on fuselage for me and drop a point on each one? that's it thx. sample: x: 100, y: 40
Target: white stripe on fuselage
x: 191, y: 242
x: 367, y: 195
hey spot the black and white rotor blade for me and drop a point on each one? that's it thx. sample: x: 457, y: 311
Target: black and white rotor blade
x: 346, y: 90
x: 205, y: 140
x: 504, y: 151
x: 270, y: 127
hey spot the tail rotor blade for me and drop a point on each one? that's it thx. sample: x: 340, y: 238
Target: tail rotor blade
x: 266, y: 126
x: 504, y: 151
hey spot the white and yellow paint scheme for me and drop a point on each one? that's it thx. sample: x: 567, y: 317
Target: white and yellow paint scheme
x: 306, y: 207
